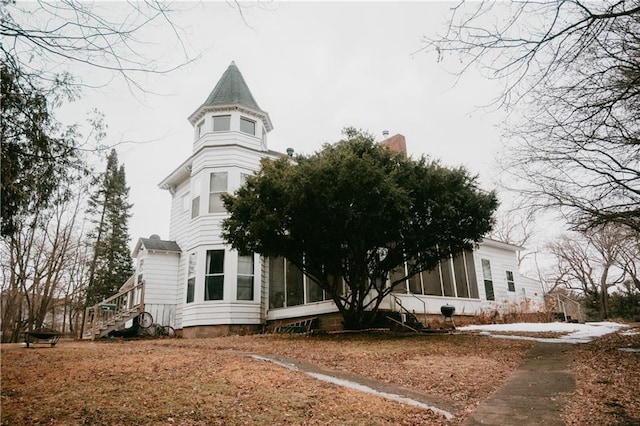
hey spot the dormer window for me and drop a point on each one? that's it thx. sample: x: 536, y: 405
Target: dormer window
x: 221, y: 123
x: 247, y: 126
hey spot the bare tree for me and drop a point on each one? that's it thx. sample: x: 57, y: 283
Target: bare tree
x: 590, y: 262
x: 40, y: 259
x: 48, y: 39
x: 515, y: 226
x: 571, y: 75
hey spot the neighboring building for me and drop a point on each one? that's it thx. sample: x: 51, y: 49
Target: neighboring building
x: 201, y: 287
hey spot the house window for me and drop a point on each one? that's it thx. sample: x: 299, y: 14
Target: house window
x: 314, y: 291
x: 185, y: 203
x: 511, y: 285
x: 488, y: 280
x: 415, y: 284
x: 195, y: 207
x: 214, y: 275
x: 200, y: 128
x: 191, y: 278
x: 195, y: 194
x: 462, y: 288
x: 447, y: 278
x: 396, y: 275
x: 471, y: 274
x: 140, y: 270
x: 217, y: 187
x: 294, y: 282
x: 247, y: 126
x: 276, y: 282
x: 245, y: 278
x: 431, y: 280
x: 221, y: 123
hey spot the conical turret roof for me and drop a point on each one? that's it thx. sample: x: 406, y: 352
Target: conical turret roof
x: 232, y: 90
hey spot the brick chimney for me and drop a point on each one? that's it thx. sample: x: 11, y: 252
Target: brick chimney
x: 395, y: 143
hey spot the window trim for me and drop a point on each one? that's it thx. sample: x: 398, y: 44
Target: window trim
x: 252, y: 275
x: 488, y: 279
x: 511, y: 283
x: 213, y: 123
x: 248, y: 120
x: 217, y: 193
x: 207, y: 274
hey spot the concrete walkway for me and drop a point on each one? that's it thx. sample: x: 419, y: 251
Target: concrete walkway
x: 536, y: 392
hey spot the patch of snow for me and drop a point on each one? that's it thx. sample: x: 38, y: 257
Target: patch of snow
x: 635, y: 350
x: 578, y: 333
x: 357, y: 386
x: 630, y: 332
x: 391, y: 396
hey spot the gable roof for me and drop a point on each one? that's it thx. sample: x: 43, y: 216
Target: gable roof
x: 154, y: 243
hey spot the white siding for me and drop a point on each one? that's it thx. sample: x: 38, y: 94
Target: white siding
x: 216, y: 313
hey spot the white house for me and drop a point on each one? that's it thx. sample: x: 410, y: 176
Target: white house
x: 200, y: 286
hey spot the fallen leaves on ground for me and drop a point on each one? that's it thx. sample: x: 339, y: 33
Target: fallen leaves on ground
x: 212, y: 381
x: 607, y: 373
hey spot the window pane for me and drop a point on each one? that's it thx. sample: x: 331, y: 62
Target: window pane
x: 447, y: 279
x: 396, y: 274
x: 218, y: 182
x: 245, y: 265
x: 200, y: 128
x: 431, y: 280
x: 216, y: 205
x: 195, y: 207
x: 488, y: 281
x: 471, y: 275
x: 191, y: 281
x: 461, y: 276
x: 276, y: 282
x: 213, y: 287
x: 215, y: 261
x: 191, y: 289
x: 247, y: 126
x: 221, y: 123
x: 245, y: 278
x: 415, y: 286
x: 217, y: 185
x: 510, y: 284
x: 245, y: 287
x: 486, y: 269
x: 314, y: 292
x: 294, y: 285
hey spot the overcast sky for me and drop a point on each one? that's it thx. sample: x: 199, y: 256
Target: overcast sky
x: 315, y: 68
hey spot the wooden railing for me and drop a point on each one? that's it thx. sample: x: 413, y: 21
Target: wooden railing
x: 112, y: 313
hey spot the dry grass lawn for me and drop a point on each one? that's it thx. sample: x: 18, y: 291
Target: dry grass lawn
x: 213, y: 381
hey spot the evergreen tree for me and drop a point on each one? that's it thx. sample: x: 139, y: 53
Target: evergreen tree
x: 111, y: 263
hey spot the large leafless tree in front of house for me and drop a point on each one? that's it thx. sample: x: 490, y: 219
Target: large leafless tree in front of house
x: 571, y: 80
x: 591, y: 262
